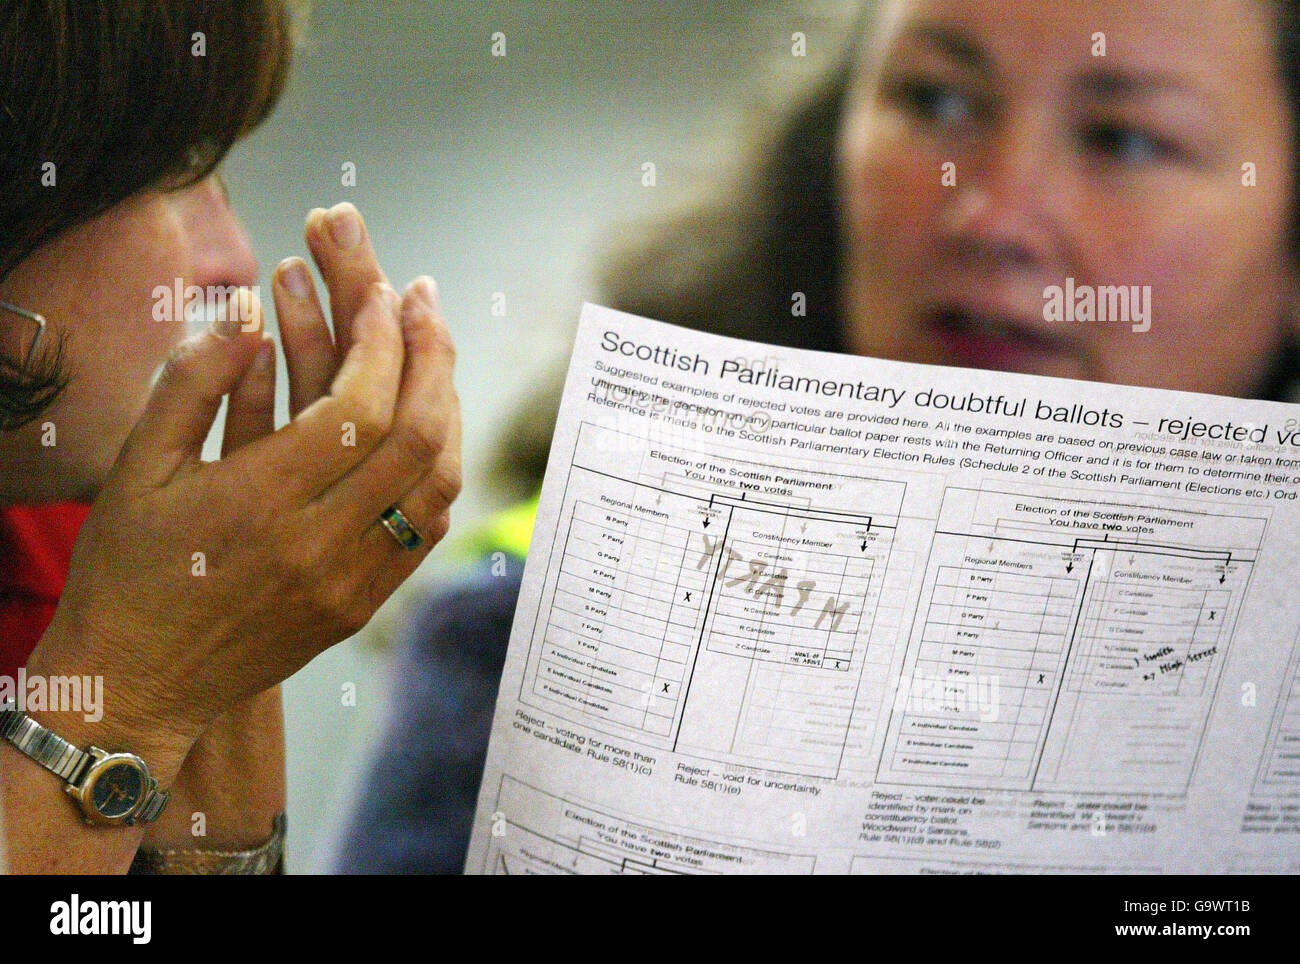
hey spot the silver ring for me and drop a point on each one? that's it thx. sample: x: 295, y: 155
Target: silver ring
x: 400, y: 528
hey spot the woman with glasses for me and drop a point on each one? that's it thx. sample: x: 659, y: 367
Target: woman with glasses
x: 176, y: 594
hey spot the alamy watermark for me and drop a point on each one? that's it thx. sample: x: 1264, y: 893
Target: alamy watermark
x: 57, y: 694
x: 1125, y: 304
x: 689, y: 414
x: 965, y: 695
x: 202, y: 305
x: 128, y: 918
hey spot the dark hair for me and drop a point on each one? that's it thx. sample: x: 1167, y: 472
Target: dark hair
x: 118, y: 98
x: 730, y: 262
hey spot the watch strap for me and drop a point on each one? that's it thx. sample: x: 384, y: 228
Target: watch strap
x: 155, y: 802
x: 48, y: 749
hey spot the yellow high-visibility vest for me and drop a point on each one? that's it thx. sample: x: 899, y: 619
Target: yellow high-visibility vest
x: 509, y: 531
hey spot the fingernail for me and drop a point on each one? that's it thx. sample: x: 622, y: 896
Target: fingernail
x: 345, y: 225
x: 242, y: 313
x: 427, y: 289
x: 294, y: 277
x: 227, y: 323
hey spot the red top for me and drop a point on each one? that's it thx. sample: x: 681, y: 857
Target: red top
x: 35, y: 554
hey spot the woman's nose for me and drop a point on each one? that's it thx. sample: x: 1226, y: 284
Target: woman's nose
x: 1006, y: 206
x: 220, y: 248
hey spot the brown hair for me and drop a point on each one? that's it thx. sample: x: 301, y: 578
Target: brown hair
x: 101, y: 100
x: 730, y: 263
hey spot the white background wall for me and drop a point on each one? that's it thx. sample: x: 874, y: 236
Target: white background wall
x: 491, y: 174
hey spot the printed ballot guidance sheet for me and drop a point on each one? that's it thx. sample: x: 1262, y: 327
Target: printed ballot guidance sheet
x: 788, y: 611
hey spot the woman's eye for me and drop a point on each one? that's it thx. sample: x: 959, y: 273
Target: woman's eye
x: 1127, y: 145
x: 934, y: 102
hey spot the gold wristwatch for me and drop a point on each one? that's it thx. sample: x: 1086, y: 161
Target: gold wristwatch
x: 111, y: 788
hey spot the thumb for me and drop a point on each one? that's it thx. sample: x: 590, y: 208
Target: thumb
x: 187, y: 395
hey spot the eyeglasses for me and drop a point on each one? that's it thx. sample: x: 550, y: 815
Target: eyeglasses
x: 31, y: 316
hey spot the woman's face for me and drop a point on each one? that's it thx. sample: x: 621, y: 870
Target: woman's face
x: 95, y: 284
x: 1119, y: 170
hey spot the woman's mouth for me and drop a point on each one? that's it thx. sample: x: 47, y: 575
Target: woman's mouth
x: 978, y: 340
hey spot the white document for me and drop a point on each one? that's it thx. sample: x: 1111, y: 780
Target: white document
x: 798, y: 612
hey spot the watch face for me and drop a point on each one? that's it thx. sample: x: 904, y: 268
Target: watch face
x: 117, y: 790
